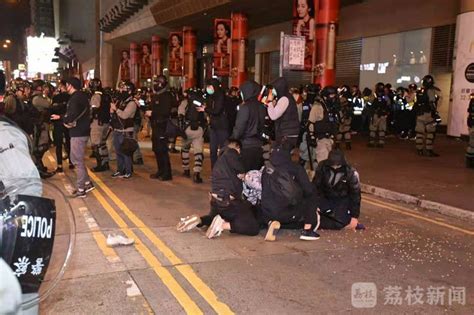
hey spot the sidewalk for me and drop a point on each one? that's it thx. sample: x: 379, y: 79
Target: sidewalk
x: 398, y: 168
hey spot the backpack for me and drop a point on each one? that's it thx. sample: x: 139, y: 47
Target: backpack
x: 280, y: 187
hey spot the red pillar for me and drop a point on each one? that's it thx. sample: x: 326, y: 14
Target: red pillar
x: 238, y: 71
x: 190, y: 46
x: 134, y: 64
x: 326, y: 25
x: 156, y: 57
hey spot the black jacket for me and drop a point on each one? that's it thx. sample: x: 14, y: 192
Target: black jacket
x: 231, y: 107
x: 225, y: 171
x: 337, y: 184
x: 288, y: 124
x: 273, y: 207
x: 161, y: 104
x: 215, y: 107
x: 78, y: 104
x: 250, y: 118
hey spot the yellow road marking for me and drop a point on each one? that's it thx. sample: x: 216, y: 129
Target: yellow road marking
x: 186, y: 270
x: 173, y: 286
x: 404, y: 211
x: 109, y: 253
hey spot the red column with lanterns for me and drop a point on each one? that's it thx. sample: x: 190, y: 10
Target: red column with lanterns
x: 134, y: 64
x: 238, y: 71
x: 190, y: 47
x: 156, y: 56
x: 326, y: 25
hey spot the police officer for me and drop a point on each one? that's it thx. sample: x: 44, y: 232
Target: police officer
x: 193, y: 123
x: 309, y: 94
x: 42, y: 106
x: 323, y: 122
x: 160, y: 113
x: 470, y: 124
x: 346, y: 113
x: 427, y: 117
x: 379, y: 112
x: 100, y: 109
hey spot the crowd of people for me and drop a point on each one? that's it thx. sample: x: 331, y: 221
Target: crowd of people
x: 255, y: 133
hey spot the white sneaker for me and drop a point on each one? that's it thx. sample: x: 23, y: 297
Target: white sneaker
x: 117, y: 240
x: 188, y: 223
x: 215, y: 229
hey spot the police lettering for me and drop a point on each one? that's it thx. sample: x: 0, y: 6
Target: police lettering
x: 36, y: 227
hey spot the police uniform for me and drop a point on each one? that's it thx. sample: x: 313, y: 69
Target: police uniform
x: 100, y: 107
x: 323, y: 125
x: 425, y: 109
x: 344, y: 131
x: 378, y: 121
x: 192, y: 123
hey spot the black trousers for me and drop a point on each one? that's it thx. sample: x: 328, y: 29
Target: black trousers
x: 61, y: 138
x: 218, y: 138
x: 334, y: 212
x: 295, y: 217
x: 240, y: 215
x: 252, y: 158
x: 160, y: 148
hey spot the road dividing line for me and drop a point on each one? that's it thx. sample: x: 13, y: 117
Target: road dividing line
x: 173, y: 286
x: 185, y: 269
x: 405, y: 211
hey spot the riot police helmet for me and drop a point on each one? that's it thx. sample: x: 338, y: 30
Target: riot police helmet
x: 95, y: 85
x: 427, y: 81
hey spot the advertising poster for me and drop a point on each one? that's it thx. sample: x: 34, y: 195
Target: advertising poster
x: 463, y: 77
x: 124, y: 67
x: 304, y: 24
x: 222, y: 46
x: 145, y: 61
x: 176, y: 54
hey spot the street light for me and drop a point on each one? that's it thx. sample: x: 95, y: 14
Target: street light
x: 5, y: 46
x: 8, y: 41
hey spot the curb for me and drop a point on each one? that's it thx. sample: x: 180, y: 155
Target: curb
x: 421, y: 203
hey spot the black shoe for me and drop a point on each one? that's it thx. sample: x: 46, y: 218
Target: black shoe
x: 174, y: 151
x: 155, y: 176
x: 138, y: 162
x: 46, y: 175
x: 89, y: 187
x: 101, y: 168
x: 126, y: 176
x: 187, y: 173
x: 197, y: 178
x: 116, y: 174
x: 431, y: 153
x: 420, y: 152
x: 165, y: 178
x: 79, y: 193
x: 59, y: 169
x: 348, y: 146
x: 309, y: 235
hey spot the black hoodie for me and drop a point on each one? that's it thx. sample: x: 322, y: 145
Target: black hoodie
x: 251, y: 116
x: 216, y: 108
x: 225, y: 171
x: 288, y: 124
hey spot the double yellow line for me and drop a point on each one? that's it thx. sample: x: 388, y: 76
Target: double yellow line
x: 186, y: 271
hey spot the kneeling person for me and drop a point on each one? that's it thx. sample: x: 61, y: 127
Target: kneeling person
x: 228, y: 210
x: 338, y: 193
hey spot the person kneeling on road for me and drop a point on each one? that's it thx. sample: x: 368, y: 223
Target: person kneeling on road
x: 228, y: 210
x: 338, y: 193
x: 288, y: 198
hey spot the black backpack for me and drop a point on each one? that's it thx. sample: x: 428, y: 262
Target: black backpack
x: 280, y: 188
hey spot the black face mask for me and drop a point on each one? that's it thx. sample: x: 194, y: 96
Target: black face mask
x: 331, y: 102
x: 123, y: 95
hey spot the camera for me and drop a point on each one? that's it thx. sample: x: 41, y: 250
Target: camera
x: 196, y: 97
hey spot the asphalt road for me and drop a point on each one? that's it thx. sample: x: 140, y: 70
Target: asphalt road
x: 406, y: 261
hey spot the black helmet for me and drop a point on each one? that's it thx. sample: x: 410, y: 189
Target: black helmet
x: 127, y: 86
x: 413, y: 86
x: 38, y: 84
x: 313, y: 88
x: 428, y: 81
x: 95, y: 85
x: 401, y: 90
x: 366, y: 92
x: 159, y: 82
x: 328, y: 90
